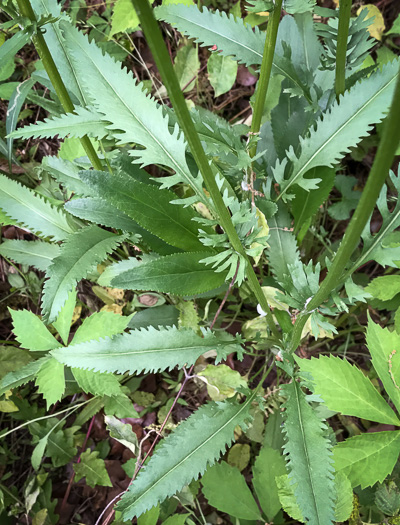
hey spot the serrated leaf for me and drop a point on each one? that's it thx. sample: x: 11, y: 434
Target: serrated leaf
x: 340, y: 128
x: 185, y: 454
x: 66, y: 173
x: 97, y: 383
x: 31, y: 333
x: 221, y: 73
x: 226, y: 490
x: 35, y: 253
x: 367, y: 458
x: 126, y: 105
x: 124, y: 17
x: 78, y: 256
x: 63, y: 322
x: 180, y: 274
x: 93, y: 469
x: 269, y: 464
x: 119, y: 406
x: 50, y: 381
x: 32, y: 211
x: 298, y: 6
x: 344, y: 388
x: 384, y: 347
x: 341, y: 210
x: 383, y: 288
x: 149, y: 206
x: 146, y: 349
x: 23, y: 375
x: 82, y: 122
x: 309, y: 458
x: 100, y: 325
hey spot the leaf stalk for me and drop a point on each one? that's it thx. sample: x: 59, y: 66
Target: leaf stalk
x: 379, y: 171
x: 163, y: 61
x: 55, y: 78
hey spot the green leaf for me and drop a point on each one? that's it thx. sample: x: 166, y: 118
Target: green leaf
x: 180, y: 274
x: 22, y: 376
x: 78, y: 256
x: 115, y: 93
x: 119, y: 406
x: 298, y: 6
x: 93, y: 469
x: 226, y: 490
x: 63, y: 322
x: 344, y: 497
x: 12, y: 45
x: 82, y: 122
x: 185, y: 454
x: 222, y: 73
x: 149, y: 206
x: 32, y: 211
x: 66, y: 173
x: 124, y: 17
x: 309, y: 458
x: 150, y: 517
x: 222, y: 381
x: 383, y: 288
x: 97, y: 383
x: 31, y: 333
x: 287, y: 498
x: 395, y: 29
x: 147, y: 350
x: 50, y: 381
x: 340, y: 128
x: 165, y: 315
x: 341, y: 210
x: 344, y: 388
x: 123, y: 433
x: 35, y: 253
x: 100, y: 325
x: 12, y: 358
x: 384, y: 347
x: 186, y: 66
x: 367, y: 458
x: 176, y: 519
x: 269, y: 464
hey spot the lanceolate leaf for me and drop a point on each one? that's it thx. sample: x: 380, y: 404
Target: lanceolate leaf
x: 367, y: 458
x: 82, y: 122
x: 35, y: 253
x: 147, y: 350
x: 79, y: 255
x: 344, y: 388
x: 124, y: 103
x: 31, y: 333
x: 12, y: 45
x: 149, y: 206
x: 181, y: 274
x: 67, y: 174
x: 185, y: 454
x: 340, y: 128
x: 309, y: 458
x: 32, y: 211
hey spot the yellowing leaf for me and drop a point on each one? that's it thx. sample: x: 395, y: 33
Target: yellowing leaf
x: 262, y: 223
x: 222, y: 382
x: 377, y: 28
x: 239, y: 456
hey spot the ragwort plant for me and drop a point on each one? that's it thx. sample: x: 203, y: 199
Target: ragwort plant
x: 229, y: 196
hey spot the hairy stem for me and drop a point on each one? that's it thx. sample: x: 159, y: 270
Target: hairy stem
x: 341, y: 50
x: 379, y: 171
x: 55, y: 78
x: 265, y: 72
x: 163, y: 61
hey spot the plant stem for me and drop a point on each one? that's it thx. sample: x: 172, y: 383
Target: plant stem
x: 341, y: 50
x: 55, y: 78
x: 379, y: 171
x: 265, y: 72
x: 163, y: 61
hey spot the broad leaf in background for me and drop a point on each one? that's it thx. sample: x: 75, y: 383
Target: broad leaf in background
x: 180, y: 274
x: 124, y: 17
x: 39, y: 254
x: 344, y: 388
x: 93, y: 469
x: 367, y: 458
x: 222, y: 72
x: 78, y: 256
x: 185, y: 454
x: 309, y: 458
x: 97, y: 383
x: 146, y: 350
x: 186, y: 66
x: 226, y: 489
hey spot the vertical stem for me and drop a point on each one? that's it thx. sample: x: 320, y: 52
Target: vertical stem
x: 341, y: 50
x: 163, y: 61
x: 265, y: 72
x: 379, y: 171
x: 55, y: 78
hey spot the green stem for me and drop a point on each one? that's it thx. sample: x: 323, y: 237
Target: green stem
x: 55, y: 78
x: 163, y: 61
x: 341, y: 50
x: 379, y: 171
x: 265, y: 72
